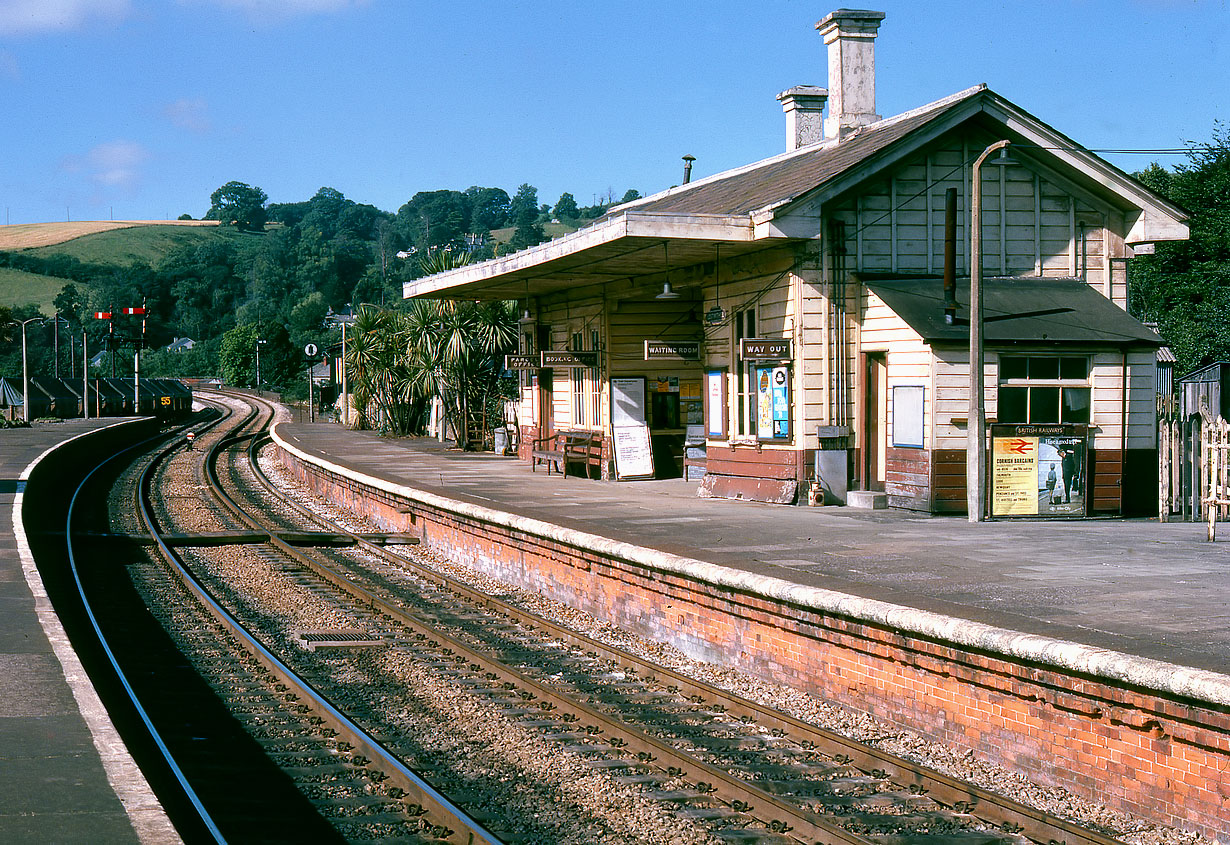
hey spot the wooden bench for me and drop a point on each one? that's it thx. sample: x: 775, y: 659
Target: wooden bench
x: 564, y: 447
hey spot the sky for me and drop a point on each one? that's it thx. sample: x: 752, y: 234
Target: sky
x: 140, y: 109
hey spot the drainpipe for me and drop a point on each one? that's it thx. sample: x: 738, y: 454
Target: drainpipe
x: 950, y: 256
x: 1123, y: 438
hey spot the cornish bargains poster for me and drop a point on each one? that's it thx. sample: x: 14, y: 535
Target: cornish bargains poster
x: 1038, y: 470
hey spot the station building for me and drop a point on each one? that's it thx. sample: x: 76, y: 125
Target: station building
x: 786, y: 326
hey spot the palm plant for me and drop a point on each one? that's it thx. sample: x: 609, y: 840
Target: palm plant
x: 402, y: 360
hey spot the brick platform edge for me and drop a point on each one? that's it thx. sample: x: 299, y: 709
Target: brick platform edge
x: 1139, y: 735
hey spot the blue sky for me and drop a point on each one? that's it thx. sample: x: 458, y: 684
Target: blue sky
x: 136, y: 109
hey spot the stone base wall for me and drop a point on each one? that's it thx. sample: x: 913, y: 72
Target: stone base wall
x: 1104, y: 735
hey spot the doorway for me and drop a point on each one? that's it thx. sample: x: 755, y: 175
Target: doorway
x: 875, y: 422
x: 546, y: 398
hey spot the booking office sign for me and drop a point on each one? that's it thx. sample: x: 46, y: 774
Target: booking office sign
x: 1038, y: 470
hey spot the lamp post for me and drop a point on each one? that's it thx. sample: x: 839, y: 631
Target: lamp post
x: 259, y: 344
x: 976, y: 430
x: 25, y: 370
x: 345, y: 398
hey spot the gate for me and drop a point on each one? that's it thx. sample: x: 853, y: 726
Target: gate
x: 1194, y: 470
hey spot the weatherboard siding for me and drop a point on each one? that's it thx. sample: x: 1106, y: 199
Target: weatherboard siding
x: 1030, y: 226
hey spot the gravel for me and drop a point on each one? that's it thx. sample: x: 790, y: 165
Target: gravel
x: 584, y: 784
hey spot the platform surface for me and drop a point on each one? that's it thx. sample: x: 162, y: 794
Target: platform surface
x: 1145, y: 588
x: 53, y: 786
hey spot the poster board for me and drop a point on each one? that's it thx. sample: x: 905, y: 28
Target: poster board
x: 715, y: 404
x: 633, y: 453
x: 1039, y: 471
x: 627, y: 401
x: 772, y: 403
x: 908, y: 415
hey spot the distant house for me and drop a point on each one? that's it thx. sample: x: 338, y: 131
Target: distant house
x: 181, y: 344
x: 345, y: 318
x: 791, y: 313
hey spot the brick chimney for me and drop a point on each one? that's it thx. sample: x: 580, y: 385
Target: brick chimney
x: 804, y: 107
x: 850, y: 35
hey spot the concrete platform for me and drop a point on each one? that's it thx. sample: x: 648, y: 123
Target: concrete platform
x: 64, y: 773
x: 1144, y: 588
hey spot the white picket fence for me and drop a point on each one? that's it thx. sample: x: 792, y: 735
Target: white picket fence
x: 1194, y: 465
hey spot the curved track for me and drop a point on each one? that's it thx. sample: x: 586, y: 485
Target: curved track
x: 737, y: 770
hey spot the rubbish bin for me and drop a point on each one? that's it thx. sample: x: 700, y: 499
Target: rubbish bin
x: 500, y: 440
x: 833, y: 463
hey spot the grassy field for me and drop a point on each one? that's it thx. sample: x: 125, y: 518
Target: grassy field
x: 20, y: 288
x: 141, y: 243
x: 552, y: 230
x: 31, y: 235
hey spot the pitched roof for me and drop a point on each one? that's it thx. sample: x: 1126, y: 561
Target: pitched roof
x: 1016, y: 310
x: 730, y: 207
x: 782, y: 178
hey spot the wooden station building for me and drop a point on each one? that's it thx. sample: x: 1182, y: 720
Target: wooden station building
x: 787, y: 319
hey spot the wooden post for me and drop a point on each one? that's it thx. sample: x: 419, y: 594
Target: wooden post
x: 1209, y: 432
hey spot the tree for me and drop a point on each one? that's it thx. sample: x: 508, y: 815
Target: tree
x: 630, y: 195
x: 435, y: 219
x: 490, y: 208
x: 566, y: 207
x: 528, y: 232
x: 240, y: 205
x: 69, y: 304
x: 279, y: 361
x: 526, y: 199
x: 1184, y: 286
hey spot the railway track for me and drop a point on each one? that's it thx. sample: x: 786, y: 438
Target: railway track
x: 342, y: 622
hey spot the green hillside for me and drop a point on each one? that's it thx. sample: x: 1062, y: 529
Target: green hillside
x: 148, y: 244
x: 552, y: 230
x: 18, y: 287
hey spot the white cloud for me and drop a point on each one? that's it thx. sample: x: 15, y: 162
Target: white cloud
x: 270, y: 11
x: 188, y: 113
x: 29, y: 17
x: 116, y: 164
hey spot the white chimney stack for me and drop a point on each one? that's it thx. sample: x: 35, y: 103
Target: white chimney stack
x: 804, y: 108
x: 850, y: 35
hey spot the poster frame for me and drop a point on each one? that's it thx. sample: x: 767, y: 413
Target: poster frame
x: 717, y: 409
x: 786, y: 387
x: 624, y: 386
x: 1039, y: 439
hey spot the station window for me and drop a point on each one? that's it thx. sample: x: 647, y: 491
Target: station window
x: 745, y: 411
x: 1043, y: 389
x: 585, y: 398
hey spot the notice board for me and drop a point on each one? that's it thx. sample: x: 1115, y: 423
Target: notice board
x: 633, y: 454
x: 627, y: 401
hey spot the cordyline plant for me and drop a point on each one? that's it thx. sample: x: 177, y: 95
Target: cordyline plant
x: 399, y: 361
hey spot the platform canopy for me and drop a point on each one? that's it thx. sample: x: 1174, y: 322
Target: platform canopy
x: 618, y: 247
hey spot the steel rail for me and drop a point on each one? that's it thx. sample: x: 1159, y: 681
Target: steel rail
x: 740, y: 795
x: 439, y: 808
x: 194, y: 800
x: 996, y: 810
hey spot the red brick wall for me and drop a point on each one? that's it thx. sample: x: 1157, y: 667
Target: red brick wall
x: 1147, y: 752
